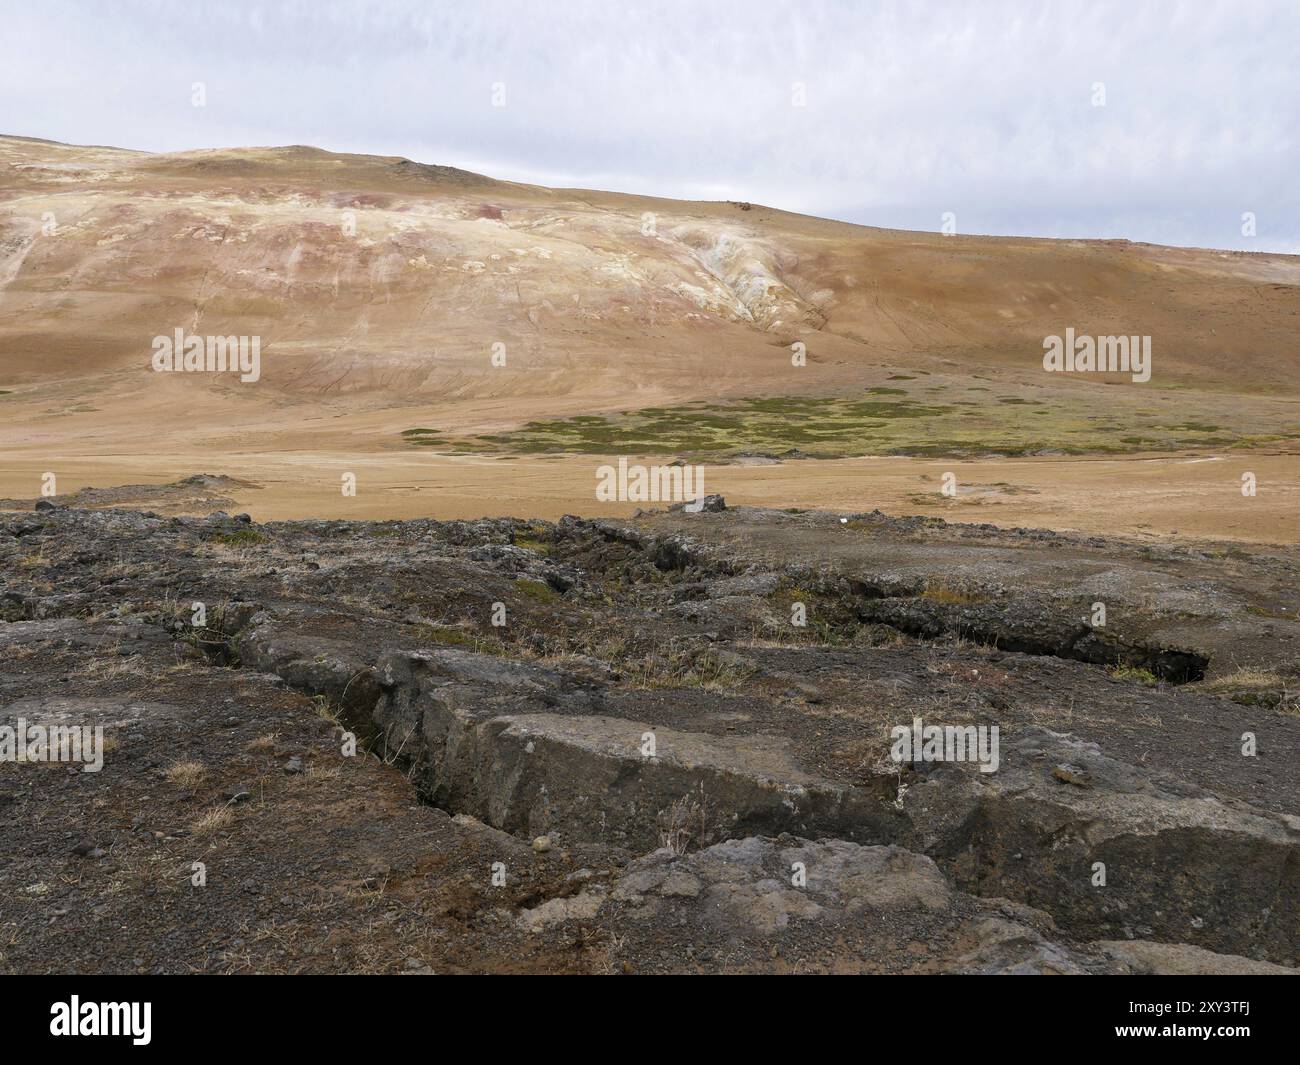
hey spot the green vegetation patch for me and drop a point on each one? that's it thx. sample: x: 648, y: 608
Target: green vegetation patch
x: 423, y: 437
x: 1134, y: 673
x: 239, y: 538
x: 537, y: 591
x: 882, y: 421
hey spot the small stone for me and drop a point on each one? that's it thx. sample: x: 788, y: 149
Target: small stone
x: 1072, y: 774
x: 680, y: 884
x: 710, y: 504
x: 44, y: 504
x: 293, y: 765
x: 87, y: 849
x: 542, y: 844
x: 240, y: 794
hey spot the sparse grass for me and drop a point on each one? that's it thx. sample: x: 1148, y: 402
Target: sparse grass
x: 827, y: 620
x: 463, y: 636
x: 536, y: 546
x: 264, y: 742
x: 640, y: 663
x: 104, y: 668
x: 603, y: 957
x: 1269, y: 612
x: 184, y: 668
x: 239, y: 538
x: 188, y: 775
x: 326, y: 709
x: 538, y: 591
x: 1251, y: 686
x: 322, y: 772
x: 213, y: 821
x: 1245, y: 678
x: 1134, y: 673
x: 684, y: 823
x: 204, y: 638
x: 942, y: 592
x: 681, y: 669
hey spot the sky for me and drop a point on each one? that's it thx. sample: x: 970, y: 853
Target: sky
x: 1157, y: 121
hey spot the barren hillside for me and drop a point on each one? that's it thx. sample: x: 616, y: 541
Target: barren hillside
x: 380, y: 289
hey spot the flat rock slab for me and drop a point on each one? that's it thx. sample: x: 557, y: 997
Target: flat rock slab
x: 585, y: 777
x: 1125, y: 852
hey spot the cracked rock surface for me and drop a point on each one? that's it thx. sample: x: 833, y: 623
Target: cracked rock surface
x: 588, y: 746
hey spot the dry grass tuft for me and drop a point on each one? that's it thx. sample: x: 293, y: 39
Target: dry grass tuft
x: 264, y: 742
x: 942, y: 592
x: 1251, y: 686
x: 1246, y: 678
x: 103, y: 668
x: 186, y: 774
x: 213, y: 821
x: 683, y: 823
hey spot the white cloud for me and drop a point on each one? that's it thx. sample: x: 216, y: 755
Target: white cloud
x: 913, y: 109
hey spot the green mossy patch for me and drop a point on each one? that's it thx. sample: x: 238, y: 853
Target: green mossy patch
x: 882, y: 421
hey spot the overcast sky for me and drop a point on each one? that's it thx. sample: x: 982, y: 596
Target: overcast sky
x: 983, y: 108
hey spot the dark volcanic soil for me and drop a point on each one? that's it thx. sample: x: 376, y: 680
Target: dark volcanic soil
x: 614, y: 747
